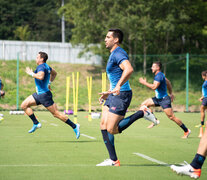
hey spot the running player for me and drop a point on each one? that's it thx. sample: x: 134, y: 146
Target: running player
x: 2, y: 93
x: 203, y: 99
x: 194, y: 168
x: 119, y: 96
x: 43, y: 76
x: 160, y: 85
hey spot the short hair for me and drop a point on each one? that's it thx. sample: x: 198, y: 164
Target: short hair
x: 158, y: 63
x: 44, y: 56
x: 117, y: 33
x: 204, y: 73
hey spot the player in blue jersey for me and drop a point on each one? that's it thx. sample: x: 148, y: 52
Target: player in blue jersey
x: 43, y: 76
x: 203, y: 99
x: 119, y: 96
x: 2, y: 93
x: 161, y: 84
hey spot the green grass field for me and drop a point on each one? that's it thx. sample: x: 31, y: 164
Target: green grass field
x: 53, y: 152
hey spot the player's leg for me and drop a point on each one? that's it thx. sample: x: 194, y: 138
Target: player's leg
x: 170, y: 114
x: 26, y: 106
x: 194, y: 168
x: 54, y: 111
x: 108, y: 140
x: 202, y: 112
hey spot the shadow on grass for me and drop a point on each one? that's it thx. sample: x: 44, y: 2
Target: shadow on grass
x: 75, y: 141
x: 147, y: 165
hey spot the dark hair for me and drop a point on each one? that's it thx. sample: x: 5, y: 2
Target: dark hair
x: 158, y: 63
x: 117, y: 33
x: 44, y: 56
x: 204, y: 73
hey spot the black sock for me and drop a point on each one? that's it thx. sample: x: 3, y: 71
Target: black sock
x: 34, y: 119
x: 202, y: 123
x: 184, y: 128
x: 109, y: 142
x: 70, y: 123
x: 198, y: 161
x: 126, y: 122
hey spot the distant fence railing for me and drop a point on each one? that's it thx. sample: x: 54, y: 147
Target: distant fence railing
x: 59, y: 52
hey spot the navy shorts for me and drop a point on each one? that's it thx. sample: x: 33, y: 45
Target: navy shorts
x: 204, y: 101
x: 164, y: 102
x: 45, y: 99
x: 119, y: 104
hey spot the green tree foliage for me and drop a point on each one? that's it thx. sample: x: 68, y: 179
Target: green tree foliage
x: 40, y: 16
x: 22, y: 33
x: 150, y: 27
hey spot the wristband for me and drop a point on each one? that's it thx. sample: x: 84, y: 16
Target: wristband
x: 31, y: 74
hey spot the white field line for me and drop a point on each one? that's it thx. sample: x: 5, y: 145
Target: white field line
x: 53, y: 124
x: 44, y: 121
x: 90, y: 137
x: 151, y: 159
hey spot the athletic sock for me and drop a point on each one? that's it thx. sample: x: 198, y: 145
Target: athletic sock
x: 202, y: 123
x: 126, y: 122
x: 184, y: 128
x: 70, y: 123
x: 34, y: 119
x: 198, y: 161
x: 109, y: 142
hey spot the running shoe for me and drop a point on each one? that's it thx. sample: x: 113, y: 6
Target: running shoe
x: 109, y: 162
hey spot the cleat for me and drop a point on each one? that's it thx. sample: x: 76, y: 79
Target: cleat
x: 109, y: 162
x: 187, y: 170
x: 186, y: 134
x: 34, y: 127
x: 149, y: 116
x: 77, y: 131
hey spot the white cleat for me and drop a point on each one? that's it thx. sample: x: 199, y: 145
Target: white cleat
x: 187, y: 170
x: 149, y: 116
x: 109, y: 162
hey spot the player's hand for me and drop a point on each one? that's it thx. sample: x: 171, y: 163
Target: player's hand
x: 49, y: 86
x: 201, y: 99
x: 116, y: 90
x: 142, y: 80
x: 104, y: 96
x: 172, y: 97
x: 29, y: 71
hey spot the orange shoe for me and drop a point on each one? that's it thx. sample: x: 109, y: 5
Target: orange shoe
x: 117, y: 163
x: 186, y: 134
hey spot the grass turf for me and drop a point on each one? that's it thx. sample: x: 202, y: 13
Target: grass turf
x: 53, y: 152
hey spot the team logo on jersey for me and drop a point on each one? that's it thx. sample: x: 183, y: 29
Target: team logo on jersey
x: 113, y: 108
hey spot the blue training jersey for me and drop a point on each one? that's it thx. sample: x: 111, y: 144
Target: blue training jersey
x: 161, y: 91
x: 204, y: 89
x: 114, y: 72
x: 42, y: 85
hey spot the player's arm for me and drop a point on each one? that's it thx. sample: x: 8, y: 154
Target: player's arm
x: 127, y: 71
x: 169, y: 88
x: 40, y: 75
x: 53, y: 75
x: 153, y: 86
x: 2, y: 85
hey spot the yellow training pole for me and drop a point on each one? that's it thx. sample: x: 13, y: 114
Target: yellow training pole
x: 67, y: 94
x: 74, y: 106
x: 89, y: 84
x: 76, y: 99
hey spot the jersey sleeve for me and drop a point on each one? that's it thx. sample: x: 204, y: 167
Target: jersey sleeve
x: 40, y: 68
x: 120, y: 57
x: 158, y: 78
